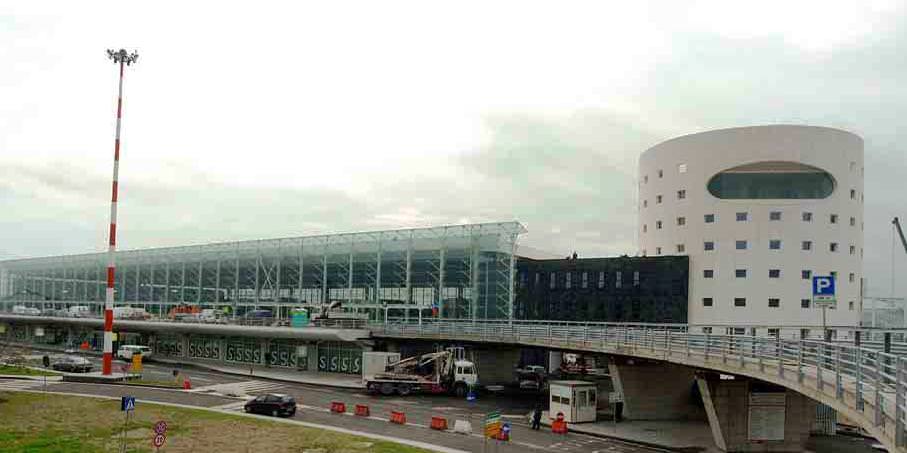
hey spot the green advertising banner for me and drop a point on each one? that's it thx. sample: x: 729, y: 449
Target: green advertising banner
x: 243, y: 351
x: 168, y: 346
x: 338, y: 358
x: 204, y: 348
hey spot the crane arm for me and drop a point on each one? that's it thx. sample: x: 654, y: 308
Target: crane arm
x: 897, y: 225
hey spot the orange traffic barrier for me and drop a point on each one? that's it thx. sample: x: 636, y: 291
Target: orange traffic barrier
x: 362, y: 410
x: 439, y: 423
x: 398, y: 417
x: 338, y: 407
x: 187, y: 384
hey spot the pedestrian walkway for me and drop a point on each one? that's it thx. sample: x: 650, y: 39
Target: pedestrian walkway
x: 692, y: 435
x: 240, y: 389
x: 23, y: 384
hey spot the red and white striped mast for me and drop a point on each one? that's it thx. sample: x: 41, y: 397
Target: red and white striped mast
x: 122, y: 58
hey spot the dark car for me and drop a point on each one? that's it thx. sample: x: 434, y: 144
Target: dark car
x: 72, y: 364
x: 272, y: 404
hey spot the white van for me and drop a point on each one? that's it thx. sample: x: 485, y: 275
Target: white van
x: 127, y: 350
x: 23, y: 310
x: 80, y: 311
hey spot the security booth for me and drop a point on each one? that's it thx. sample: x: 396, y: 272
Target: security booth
x: 577, y: 400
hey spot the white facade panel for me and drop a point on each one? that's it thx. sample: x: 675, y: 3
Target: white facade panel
x: 689, y: 162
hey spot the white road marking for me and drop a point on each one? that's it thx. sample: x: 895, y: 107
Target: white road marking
x: 22, y: 384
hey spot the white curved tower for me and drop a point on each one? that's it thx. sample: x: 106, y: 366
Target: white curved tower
x: 759, y: 210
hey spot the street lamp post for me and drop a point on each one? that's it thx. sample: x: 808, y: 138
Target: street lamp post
x: 122, y: 58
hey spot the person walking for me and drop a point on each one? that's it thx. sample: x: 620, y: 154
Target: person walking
x: 537, y: 417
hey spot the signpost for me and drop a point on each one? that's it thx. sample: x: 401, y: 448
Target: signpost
x: 492, y: 427
x: 824, y: 296
x: 160, y: 435
x: 127, y: 405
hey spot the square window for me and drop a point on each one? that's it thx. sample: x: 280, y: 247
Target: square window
x: 709, y: 218
x: 740, y: 273
x: 804, y: 303
x: 852, y: 277
x: 741, y: 245
x: 774, y: 244
x: 774, y: 215
x: 833, y: 247
x: 645, y: 228
x: 740, y: 302
x: 706, y: 301
x: 774, y: 273
x: 833, y: 218
x: 853, y: 250
x: 774, y: 331
x: 657, y: 199
x: 853, y: 194
x: 661, y: 173
x: 741, y: 216
x: 681, y: 221
x: 681, y: 248
x: 707, y: 330
x: 806, y: 245
x: 681, y: 194
x: 708, y: 245
x: 708, y: 273
x: 853, y: 221
x: 658, y: 250
x: 774, y: 303
x: 850, y: 305
x: 658, y: 224
x: 682, y: 168
x: 807, y: 217
x: 806, y: 275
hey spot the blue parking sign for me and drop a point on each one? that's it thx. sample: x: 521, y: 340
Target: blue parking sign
x: 824, y: 286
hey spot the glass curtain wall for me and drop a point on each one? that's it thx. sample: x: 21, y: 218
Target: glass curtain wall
x: 462, y: 272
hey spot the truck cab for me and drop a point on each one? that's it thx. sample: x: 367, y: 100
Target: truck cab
x: 465, y: 372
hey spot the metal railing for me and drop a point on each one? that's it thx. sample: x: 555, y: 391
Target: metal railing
x: 866, y: 383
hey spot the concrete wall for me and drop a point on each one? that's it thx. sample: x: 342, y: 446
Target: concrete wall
x: 727, y: 404
x: 655, y: 391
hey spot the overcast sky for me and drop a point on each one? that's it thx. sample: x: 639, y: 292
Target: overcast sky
x: 266, y: 119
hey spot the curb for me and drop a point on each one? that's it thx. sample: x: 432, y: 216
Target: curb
x: 412, y: 443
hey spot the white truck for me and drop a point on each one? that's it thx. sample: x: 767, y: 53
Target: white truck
x: 437, y: 372
x: 132, y: 313
x: 80, y: 311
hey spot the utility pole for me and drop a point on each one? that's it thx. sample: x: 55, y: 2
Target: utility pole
x: 122, y: 58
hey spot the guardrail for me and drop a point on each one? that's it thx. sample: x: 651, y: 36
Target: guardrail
x: 866, y: 383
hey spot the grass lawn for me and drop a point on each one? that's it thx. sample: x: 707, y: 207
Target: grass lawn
x: 22, y: 371
x: 59, y: 423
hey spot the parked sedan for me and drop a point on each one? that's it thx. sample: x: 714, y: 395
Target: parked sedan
x: 72, y: 364
x: 272, y: 404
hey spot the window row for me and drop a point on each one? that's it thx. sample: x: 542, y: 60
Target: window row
x: 580, y: 279
x: 773, y: 244
x: 773, y: 302
x: 776, y: 273
x: 744, y: 216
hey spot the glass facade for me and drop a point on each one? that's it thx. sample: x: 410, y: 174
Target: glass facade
x: 464, y: 271
x: 774, y: 181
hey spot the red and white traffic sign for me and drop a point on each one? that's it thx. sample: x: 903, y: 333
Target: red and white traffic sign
x: 160, y: 427
x: 158, y: 441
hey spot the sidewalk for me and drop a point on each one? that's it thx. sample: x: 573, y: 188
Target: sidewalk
x: 692, y: 435
x: 338, y: 380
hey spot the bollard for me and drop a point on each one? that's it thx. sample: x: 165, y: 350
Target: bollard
x: 438, y: 423
x: 362, y: 410
x: 338, y: 407
x: 187, y: 384
x: 559, y: 426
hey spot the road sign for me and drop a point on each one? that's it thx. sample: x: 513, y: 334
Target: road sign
x: 160, y: 427
x: 824, y: 291
x: 127, y: 403
x: 158, y: 441
x: 136, y: 363
x: 493, y: 424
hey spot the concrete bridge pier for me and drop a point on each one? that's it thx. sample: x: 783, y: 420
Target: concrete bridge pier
x: 747, y: 415
x: 655, y: 390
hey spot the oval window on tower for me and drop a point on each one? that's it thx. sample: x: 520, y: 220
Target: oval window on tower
x: 772, y: 180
